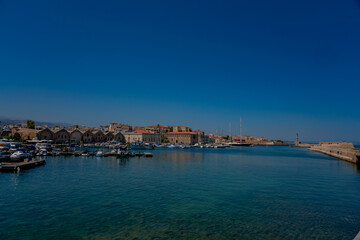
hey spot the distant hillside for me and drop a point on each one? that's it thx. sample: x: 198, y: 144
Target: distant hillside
x: 7, y: 121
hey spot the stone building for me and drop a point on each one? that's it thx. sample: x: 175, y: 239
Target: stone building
x: 181, y: 128
x: 142, y: 136
x: 45, y: 134
x: 201, y: 136
x: 159, y: 129
x: 109, y: 137
x: 87, y: 136
x: 98, y: 136
x: 61, y: 136
x: 188, y: 138
x: 119, y: 137
x: 76, y: 135
x: 25, y: 133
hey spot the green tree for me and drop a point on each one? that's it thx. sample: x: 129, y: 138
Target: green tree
x: 171, y: 129
x: 164, y: 139
x: 17, y: 136
x: 30, y: 124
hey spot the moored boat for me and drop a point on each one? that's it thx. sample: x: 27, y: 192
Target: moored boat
x: 19, y: 155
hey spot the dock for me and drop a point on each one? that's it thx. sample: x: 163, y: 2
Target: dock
x: 343, y: 150
x: 18, y: 166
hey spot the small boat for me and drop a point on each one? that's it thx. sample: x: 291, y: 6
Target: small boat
x: 123, y: 153
x: 85, y: 153
x: 99, y: 154
x: 236, y: 144
x: 19, y: 155
x: 42, y: 152
x: 172, y: 146
x: 147, y: 154
x: 4, y: 156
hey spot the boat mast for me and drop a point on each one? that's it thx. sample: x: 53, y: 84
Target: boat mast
x: 230, y: 131
x: 240, y: 128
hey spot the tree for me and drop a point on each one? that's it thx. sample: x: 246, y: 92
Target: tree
x: 16, y: 136
x: 30, y: 124
x: 171, y: 129
x: 164, y: 139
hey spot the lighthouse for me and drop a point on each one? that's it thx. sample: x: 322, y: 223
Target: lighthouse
x: 297, y: 140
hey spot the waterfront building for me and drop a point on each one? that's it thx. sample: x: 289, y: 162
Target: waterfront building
x: 76, y: 135
x: 98, y: 136
x: 142, y: 136
x: 88, y: 136
x: 45, y: 134
x: 25, y: 133
x: 109, y: 136
x: 119, y: 137
x: 181, y: 128
x: 61, y: 136
x: 188, y: 138
x: 201, y: 136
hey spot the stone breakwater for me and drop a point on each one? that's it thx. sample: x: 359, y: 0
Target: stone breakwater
x: 343, y: 150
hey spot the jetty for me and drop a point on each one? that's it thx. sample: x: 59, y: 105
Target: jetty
x: 18, y: 166
x: 341, y: 150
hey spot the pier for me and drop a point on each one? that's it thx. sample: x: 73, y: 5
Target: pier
x: 18, y: 166
x: 343, y: 150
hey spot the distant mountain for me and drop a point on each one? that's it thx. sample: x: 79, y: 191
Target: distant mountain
x: 7, y: 121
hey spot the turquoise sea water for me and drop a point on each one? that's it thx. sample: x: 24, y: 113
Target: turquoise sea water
x: 238, y: 193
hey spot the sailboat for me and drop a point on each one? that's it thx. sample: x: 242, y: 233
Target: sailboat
x: 240, y: 144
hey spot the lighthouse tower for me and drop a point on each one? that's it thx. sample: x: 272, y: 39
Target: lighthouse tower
x: 297, y: 140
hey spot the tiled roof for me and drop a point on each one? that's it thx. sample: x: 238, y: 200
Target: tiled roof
x: 173, y: 133
x: 140, y: 131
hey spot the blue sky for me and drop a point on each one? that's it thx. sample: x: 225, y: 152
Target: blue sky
x: 283, y: 66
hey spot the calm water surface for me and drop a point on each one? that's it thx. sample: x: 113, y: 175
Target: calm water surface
x: 238, y: 193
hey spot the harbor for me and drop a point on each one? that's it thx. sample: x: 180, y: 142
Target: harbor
x: 209, y: 193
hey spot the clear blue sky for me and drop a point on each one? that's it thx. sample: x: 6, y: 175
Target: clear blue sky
x: 283, y: 66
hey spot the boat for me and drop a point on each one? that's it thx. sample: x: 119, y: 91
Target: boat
x: 99, y: 154
x: 172, y: 146
x: 19, y: 155
x: 85, y: 153
x: 123, y: 153
x: 141, y: 146
x: 236, y: 144
x: 43, y: 145
x: 4, y: 156
x: 42, y: 152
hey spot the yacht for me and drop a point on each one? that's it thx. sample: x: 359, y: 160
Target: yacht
x: 19, y: 155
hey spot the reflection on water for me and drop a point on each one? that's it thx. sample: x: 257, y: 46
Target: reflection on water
x: 239, y: 193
